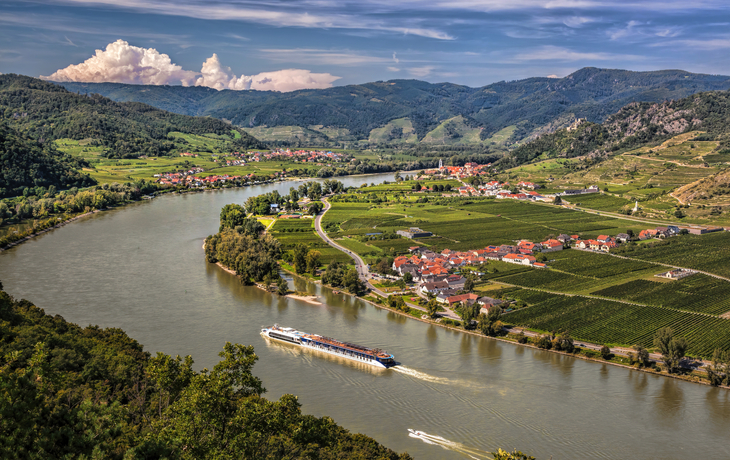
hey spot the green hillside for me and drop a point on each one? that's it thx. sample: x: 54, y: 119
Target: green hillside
x: 28, y: 163
x: 45, y: 111
x: 531, y: 106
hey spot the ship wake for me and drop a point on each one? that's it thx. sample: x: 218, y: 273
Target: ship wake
x: 444, y: 443
x: 421, y: 375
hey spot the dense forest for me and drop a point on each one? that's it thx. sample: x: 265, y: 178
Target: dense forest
x: 29, y: 163
x: 634, y: 125
x: 45, y: 111
x: 533, y: 105
x: 73, y: 392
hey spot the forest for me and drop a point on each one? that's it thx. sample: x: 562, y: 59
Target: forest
x: 73, y: 392
x: 45, y: 111
x: 30, y: 163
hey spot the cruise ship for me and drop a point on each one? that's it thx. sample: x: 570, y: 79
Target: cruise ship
x: 372, y: 356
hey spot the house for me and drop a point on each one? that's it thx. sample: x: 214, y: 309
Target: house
x: 606, y: 247
x: 623, y: 237
x: 519, y: 259
x: 456, y: 282
x: 467, y: 299
x: 274, y: 207
x: 552, y: 245
x: 564, y: 238
x: 527, y: 247
x: 604, y: 239
x: 595, y: 245
x: 434, y: 288
x: 539, y: 265
x: 583, y: 244
x: 646, y: 234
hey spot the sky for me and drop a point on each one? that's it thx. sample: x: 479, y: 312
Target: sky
x: 284, y: 45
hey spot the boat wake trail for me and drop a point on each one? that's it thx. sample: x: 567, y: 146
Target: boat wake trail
x: 421, y: 375
x: 476, y: 454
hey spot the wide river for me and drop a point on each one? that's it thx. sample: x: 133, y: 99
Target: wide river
x: 142, y: 268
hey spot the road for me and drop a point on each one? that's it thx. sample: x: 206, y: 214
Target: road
x: 362, y: 268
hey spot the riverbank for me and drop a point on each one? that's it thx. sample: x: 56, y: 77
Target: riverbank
x: 578, y: 354
x: 47, y: 229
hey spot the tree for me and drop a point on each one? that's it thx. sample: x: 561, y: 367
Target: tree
x: 352, y: 283
x: 300, y: 258
x: 558, y: 200
x: 544, y: 342
x: 489, y: 323
x: 467, y: 313
x: 671, y: 348
x: 432, y: 308
x: 313, y: 261
x: 606, y: 352
x: 232, y: 215
x: 282, y: 287
x: 514, y: 455
x: 564, y: 342
x: 630, y: 233
x: 719, y: 371
x: 641, y: 356
x: 408, y: 278
x: 679, y: 214
x: 469, y: 284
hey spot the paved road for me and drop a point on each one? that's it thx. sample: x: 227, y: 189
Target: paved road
x: 360, y: 265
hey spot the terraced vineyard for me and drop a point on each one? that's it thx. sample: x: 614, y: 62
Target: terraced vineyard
x: 604, y: 321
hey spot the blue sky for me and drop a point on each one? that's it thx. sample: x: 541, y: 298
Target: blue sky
x: 341, y: 42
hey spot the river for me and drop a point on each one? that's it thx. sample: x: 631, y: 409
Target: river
x: 142, y: 268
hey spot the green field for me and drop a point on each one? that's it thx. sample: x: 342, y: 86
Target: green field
x: 291, y: 232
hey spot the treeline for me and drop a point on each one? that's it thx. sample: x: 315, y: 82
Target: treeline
x: 242, y: 245
x: 41, y: 203
x: 72, y: 392
x: 45, y: 111
x: 262, y: 204
x: 26, y: 162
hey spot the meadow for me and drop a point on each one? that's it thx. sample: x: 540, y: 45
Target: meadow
x: 291, y: 232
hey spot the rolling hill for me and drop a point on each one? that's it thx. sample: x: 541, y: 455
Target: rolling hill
x: 408, y: 112
x: 45, y: 111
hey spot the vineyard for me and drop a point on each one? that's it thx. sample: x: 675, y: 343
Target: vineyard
x: 604, y: 321
x: 549, y: 279
x: 708, y: 253
x: 698, y: 293
x: 598, y: 265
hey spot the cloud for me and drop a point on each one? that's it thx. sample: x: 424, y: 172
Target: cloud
x: 214, y: 75
x: 395, y: 58
x: 626, y: 31
x: 421, y: 72
x: 553, y: 76
x: 318, y: 56
x: 68, y: 40
x: 125, y: 63
x: 287, y: 16
x: 556, y: 53
x: 393, y: 69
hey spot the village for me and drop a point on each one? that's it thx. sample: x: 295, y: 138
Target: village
x: 439, y: 274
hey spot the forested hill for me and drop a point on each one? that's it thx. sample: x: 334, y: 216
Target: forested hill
x: 452, y: 113
x: 28, y: 163
x: 45, y: 111
x: 634, y: 125
x: 72, y: 392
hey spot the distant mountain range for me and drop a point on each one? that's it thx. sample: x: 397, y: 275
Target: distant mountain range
x: 412, y: 112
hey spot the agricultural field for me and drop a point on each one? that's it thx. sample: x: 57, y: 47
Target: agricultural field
x: 600, y: 202
x: 697, y: 293
x: 604, y: 321
x: 291, y: 232
x: 707, y: 253
x: 396, y: 131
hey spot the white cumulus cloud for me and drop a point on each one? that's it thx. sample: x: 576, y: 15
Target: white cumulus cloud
x: 215, y: 75
x: 121, y: 62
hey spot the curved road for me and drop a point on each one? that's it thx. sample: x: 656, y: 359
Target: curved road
x: 360, y: 265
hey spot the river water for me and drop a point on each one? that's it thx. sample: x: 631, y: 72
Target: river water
x: 142, y: 268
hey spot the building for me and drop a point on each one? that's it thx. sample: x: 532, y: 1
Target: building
x: 551, y: 246
x: 434, y: 288
x: 519, y: 259
x: 414, y: 232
